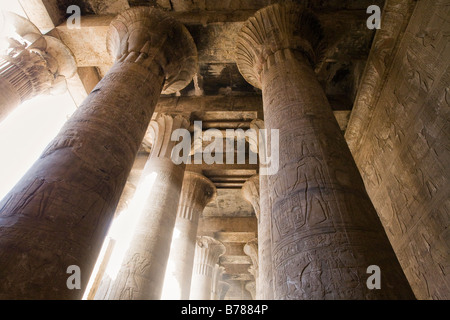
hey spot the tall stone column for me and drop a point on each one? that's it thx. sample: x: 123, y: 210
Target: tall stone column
x: 60, y: 211
x: 207, y: 253
x: 196, y: 193
x: 141, y: 275
x: 325, y: 231
x: 32, y: 64
x: 265, y: 283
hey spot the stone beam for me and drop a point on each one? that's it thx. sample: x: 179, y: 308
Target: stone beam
x: 229, y: 109
x: 238, y: 277
x: 236, y: 224
x: 216, y: 41
x: 242, y: 237
x: 235, y: 259
x: 45, y: 14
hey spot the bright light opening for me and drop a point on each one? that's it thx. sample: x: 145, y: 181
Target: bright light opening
x: 171, y: 288
x: 26, y: 132
x: 121, y: 232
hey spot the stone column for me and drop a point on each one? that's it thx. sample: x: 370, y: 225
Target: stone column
x: 265, y: 283
x: 207, y: 253
x: 325, y: 231
x: 217, y: 277
x: 60, y: 211
x: 141, y: 274
x: 32, y: 64
x: 196, y: 193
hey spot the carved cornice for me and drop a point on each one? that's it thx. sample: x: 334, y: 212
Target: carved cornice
x: 250, y: 192
x: 274, y: 28
x: 159, y: 134
x: 145, y: 35
x: 33, y: 63
x: 207, y: 253
x: 196, y: 193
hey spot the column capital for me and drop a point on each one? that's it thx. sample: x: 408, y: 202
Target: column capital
x: 253, y: 139
x: 207, y: 253
x: 250, y: 286
x: 274, y: 28
x: 251, y: 249
x: 196, y: 193
x: 250, y: 192
x: 144, y: 35
x: 33, y: 63
x: 159, y: 134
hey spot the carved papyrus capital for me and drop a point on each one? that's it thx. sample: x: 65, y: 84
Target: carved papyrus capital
x: 253, y: 139
x: 159, y: 134
x: 250, y: 192
x: 196, y: 193
x: 251, y: 249
x: 207, y: 253
x: 277, y: 27
x: 32, y: 63
x: 145, y: 35
x: 251, y: 287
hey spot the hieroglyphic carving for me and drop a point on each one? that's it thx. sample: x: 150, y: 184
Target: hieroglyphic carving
x: 396, y: 15
x: 152, y: 238
x: 82, y: 183
x: 403, y: 139
x: 317, y: 196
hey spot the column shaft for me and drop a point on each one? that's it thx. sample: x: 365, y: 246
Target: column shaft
x: 59, y: 212
x: 207, y: 253
x: 325, y: 230
x: 197, y: 191
x: 141, y: 275
x: 265, y: 282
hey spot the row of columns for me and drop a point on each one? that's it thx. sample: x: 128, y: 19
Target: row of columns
x: 168, y: 202
x: 59, y: 212
x: 318, y: 229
